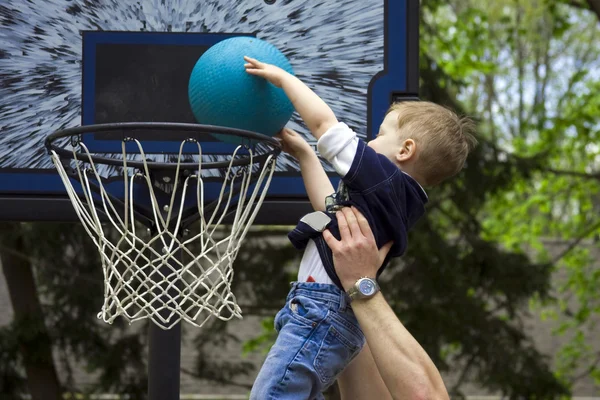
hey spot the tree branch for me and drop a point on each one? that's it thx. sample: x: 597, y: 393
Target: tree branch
x: 17, y: 254
x: 584, y: 59
x: 593, y: 175
x: 588, y: 370
x: 521, y: 72
x: 576, y: 242
x: 463, y: 375
x: 595, y: 7
x: 577, y: 4
x: 542, y: 58
x: 545, y: 80
x: 588, y: 5
x: 489, y: 101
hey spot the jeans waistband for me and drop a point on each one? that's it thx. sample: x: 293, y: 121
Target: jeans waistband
x: 323, y: 291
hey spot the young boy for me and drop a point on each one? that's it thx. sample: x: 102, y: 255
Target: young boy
x: 419, y: 144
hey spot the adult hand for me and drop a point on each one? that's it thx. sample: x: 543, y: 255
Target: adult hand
x: 403, y: 365
x: 356, y: 255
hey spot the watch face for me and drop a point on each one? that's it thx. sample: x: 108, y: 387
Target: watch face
x: 366, y: 287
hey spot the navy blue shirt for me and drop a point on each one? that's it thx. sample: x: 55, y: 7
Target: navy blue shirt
x: 390, y: 200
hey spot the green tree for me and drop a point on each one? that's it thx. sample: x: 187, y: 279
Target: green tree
x: 528, y: 70
x: 63, y: 265
x: 26, y: 341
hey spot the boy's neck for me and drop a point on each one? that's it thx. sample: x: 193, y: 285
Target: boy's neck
x: 410, y: 169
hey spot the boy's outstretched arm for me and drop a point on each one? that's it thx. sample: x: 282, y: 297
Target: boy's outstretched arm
x: 317, y: 184
x: 315, y: 113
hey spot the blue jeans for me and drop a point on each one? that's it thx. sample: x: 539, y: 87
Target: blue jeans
x: 318, y: 337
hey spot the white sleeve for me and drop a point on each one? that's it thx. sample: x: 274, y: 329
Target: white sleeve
x: 338, y: 146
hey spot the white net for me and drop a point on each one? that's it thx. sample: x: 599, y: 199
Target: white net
x: 159, y: 273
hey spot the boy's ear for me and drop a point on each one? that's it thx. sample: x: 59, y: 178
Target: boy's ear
x: 407, y: 151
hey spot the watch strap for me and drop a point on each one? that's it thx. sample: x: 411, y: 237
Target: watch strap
x: 354, y: 293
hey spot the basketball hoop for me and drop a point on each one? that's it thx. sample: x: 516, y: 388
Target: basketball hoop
x: 158, y: 272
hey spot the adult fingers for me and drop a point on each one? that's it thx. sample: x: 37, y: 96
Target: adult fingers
x: 384, y: 250
x: 343, y: 225
x: 331, y: 241
x: 363, y: 224
x: 351, y: 221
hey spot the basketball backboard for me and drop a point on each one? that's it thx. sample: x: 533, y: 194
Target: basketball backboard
x: 69, y: 62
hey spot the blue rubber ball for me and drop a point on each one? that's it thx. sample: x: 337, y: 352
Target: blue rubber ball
x: 222, y: 93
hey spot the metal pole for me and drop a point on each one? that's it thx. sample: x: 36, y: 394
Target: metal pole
x: 164, y: 362
x: 164, y: 353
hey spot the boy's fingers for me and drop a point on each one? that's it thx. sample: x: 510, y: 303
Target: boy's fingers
x: 257, y: 72
x: 252, y: 61
x: 283, y: 137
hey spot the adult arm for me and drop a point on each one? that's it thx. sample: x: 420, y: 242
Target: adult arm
x: 361, y: 379
x: 404, y: 366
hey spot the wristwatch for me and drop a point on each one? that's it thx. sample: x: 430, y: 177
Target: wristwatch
x: 364, y: 288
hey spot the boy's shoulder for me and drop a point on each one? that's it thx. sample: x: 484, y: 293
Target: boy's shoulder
x: 369, y: 168
x: 413, y: 199
x: 406, y: 194
x: 415, y: 187
x: 377, y: 168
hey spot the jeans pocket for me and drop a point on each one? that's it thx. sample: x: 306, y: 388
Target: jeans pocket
x: 335, y: 352
x: 307, y: 310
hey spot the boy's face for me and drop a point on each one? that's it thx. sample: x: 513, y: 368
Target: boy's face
x: 388, y: 141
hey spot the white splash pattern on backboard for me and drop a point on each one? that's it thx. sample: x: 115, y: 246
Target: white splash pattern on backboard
x: 336, y: 47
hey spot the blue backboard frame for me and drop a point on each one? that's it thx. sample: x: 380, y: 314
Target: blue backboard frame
x: 37, y: 194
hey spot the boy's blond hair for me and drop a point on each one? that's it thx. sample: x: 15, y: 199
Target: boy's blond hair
x: 443, y: 138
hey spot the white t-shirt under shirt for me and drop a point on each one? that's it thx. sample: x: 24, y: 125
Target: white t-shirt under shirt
x: 338, y: 146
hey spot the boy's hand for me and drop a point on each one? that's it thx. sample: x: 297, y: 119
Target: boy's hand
x: 293, y: 143
x: 271, y: 73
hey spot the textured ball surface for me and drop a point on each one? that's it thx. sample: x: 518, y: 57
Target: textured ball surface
x: 222, y: 93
